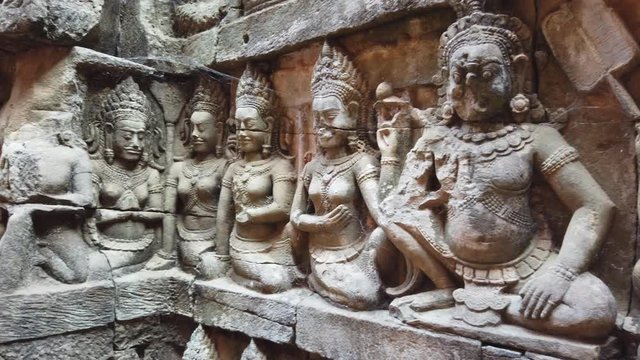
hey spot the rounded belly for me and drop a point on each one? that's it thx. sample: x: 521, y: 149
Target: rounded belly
x: 349, y: 234
x: 258, y: 232
x: 125, y: 230
x: 204, y: 222
x: 478, y: 236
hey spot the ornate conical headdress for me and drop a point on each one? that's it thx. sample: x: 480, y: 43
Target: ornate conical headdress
x: 478, y: 27
x: 255, y: 91
x: 125, y: 101
x: 334, y: 74
x: 209, y: 97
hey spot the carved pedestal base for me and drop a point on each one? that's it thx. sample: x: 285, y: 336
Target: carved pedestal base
x: 509, y: 336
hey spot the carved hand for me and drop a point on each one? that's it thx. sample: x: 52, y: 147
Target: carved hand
x: 388, y: 139
x: 337, y: 218
x: 243, y: 217
x: 542, y: 294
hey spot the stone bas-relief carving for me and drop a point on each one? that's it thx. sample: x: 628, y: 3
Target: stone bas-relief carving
x: 339, y: 188
x: 127, y: 185
x: 193, y: 186
x: 464, y: 209
x: 46, y: 194
x: 253, y: 234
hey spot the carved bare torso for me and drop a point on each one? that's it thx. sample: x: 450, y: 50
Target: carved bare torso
x: 253, y: 187
x: 122, y: 190
x: 333, y: 183
x: 198, y: 191
x: 489, y: 217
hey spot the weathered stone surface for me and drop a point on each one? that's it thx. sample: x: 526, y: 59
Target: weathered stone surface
x: 155, y: 329
x: 91, y: 344
x: 338, y: 333
x: 222, y: 304
x: 147, y: 293
x: 52, y: 310
x: 495, y: 353
x: 601, y: 134
x: 61, y: 22
x: 264, y: 33
x: 280, y: 308
x: 513, y: 337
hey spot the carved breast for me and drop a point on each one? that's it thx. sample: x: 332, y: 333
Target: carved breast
x: 252, y: 185
x: 330, y: 190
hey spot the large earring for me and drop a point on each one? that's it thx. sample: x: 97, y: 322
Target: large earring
x: 353, y: 143
x: 108, y: 155
x: 219, y: 151
x: 520, y: 105
x: 266, y: 151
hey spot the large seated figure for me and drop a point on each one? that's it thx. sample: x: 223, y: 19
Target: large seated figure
x: 464, y: 212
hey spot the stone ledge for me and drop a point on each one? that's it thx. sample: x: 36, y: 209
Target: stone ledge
x: 515, y: 337
x: 148, y: 293
x: 297, y: 317
x: 264, y: 33
x: 224, y: 304
x: 338, y: 333
x: 53, y: 310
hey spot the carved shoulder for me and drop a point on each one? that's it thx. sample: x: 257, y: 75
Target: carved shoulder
x: 552, y: 151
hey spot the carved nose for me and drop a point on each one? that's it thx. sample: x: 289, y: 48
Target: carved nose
x: 470, y: 77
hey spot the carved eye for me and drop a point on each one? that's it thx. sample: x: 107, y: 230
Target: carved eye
x: 487, y: 74
x: 141, y: 136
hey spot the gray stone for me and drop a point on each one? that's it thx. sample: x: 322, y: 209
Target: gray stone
x: 43, y: 311
x: 264, y: 33
x: 62, y: 22
x: 147, y: 293
x: 280, y: 308
x: 212, y: 313
x: 511, y: 336
x: 92, y: 344
x: 174, y: 330
x: 338, y: 333
x: 495, y: 353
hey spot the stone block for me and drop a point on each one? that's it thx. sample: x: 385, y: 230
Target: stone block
x: 224, y: 304
x: 513, y: 337
x: 264, y: 33
x: 92, y: 344
x: 338, y: 333
x: 43, y: 311
x: 280, y: 307
x: 148, y: 293
x: 170, y: 330
x: 496, y: 353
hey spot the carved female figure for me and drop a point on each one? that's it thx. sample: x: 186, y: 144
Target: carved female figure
x: 465, y: 195
x: 339, y: 187
x: 47, y: 178
x: 255, y: 200
x: 193, y: 186
x: 128, y: 190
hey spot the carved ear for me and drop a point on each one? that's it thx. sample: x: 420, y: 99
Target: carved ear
x: 353, y: 108
x: 520, y: 63
x: 108, y: 128
x: 269, y: 121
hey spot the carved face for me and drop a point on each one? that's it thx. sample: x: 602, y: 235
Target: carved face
x: 252, y: 131
x: 128, y: 139
x: 204, y: 135
x: 333, y: 121
x: 479, y: 82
